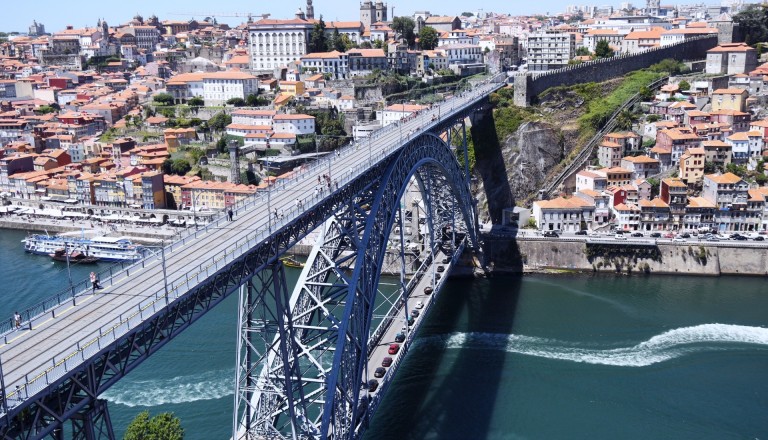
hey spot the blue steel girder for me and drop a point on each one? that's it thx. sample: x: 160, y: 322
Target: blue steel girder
x: 425, y: 152
x: 330, y: 286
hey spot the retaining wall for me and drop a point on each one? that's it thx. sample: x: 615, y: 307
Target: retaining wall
x: 528, y: 86
x: 692, y: 257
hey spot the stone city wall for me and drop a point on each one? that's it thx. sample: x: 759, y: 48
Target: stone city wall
x: 528, y: 86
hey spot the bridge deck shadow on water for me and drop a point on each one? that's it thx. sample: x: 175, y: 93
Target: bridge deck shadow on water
x: 457, y: 409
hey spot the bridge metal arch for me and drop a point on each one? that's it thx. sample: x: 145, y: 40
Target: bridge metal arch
x: 426, y: 152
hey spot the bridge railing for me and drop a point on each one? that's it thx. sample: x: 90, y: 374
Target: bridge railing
x: 128, y: 320
x: 66, y: 296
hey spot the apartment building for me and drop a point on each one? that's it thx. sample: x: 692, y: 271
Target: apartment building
x: 550, y: 50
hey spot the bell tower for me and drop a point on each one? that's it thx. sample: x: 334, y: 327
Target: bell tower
x: 310, y: 10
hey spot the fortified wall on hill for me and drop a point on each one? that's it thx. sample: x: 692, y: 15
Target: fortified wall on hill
x: 530, y: 85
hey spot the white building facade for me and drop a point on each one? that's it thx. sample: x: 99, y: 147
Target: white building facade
x: 277, y: 43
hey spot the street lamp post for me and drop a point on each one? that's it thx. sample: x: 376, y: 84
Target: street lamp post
x: 2, y: 389
x: 194, y: 207
x: 165, y: 276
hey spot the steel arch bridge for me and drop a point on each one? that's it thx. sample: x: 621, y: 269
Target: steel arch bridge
x: 285, y: 389
x: 74, y: 346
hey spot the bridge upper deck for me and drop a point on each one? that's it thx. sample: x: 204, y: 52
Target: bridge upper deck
x: 70, y: 334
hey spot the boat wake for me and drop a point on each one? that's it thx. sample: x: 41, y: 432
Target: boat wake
x: 660, y: 348
x: 210, y: 385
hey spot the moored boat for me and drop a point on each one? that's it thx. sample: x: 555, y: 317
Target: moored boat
x: 74, y: 257
x: 291, y: 262
x: 103, y: 248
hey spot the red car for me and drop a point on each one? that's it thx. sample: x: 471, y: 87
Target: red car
x: 387, y: 361
x: 393, y: 348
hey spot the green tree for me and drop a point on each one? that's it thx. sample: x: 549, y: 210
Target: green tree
x: 646, y: 94
x: 404, y: 27
x: 467, y: 14
x: 317, y: 39
x: 428, y: 38
x: 256, y: 101
x: 163, y: 99
x: 45, y: 109
x: 582, y: 51
x: 181, y: 166
x: 603, y: 49
x: 753, y: 22
x: 164, y: 426
x: 366, y: 45
x: 739, y: 170
x: 168, y: 166
x: 684, y: 85
x: 237, y: 102
x: 196, y: 101
x: 654, y: 186
x: 335, y: 42
x: 219, y: 121
x: 625, y: 119
x: 709, y: 167
x: 670, y: 66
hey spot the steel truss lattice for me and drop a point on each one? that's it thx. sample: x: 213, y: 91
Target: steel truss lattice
x: 300, y: 369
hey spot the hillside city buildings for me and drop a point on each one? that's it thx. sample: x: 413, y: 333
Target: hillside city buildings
x: 79, y: 123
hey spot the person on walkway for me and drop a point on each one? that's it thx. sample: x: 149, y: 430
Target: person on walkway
x: 230, y: 214
x: 17, y: 320
x: 94, y: 282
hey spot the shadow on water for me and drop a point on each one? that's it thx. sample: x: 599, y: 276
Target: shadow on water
x: 431, y: 397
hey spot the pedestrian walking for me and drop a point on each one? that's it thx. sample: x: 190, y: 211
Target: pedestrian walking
x: 94, y: 282
x: 276, y: 216
x: 317, y: 192
x: 230, y: 214
x: 17, y: 320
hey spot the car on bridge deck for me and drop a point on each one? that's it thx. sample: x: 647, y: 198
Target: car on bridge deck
x: 373, y: 385
x: 380, y: 372
x: 387, y: 361
x: 393, y: 348
x: 400, y: 337
x: 419, y: 305
x: 414, y: 313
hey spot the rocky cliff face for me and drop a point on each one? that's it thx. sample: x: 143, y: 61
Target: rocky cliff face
x: 516, y: 167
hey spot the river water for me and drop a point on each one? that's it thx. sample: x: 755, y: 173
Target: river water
x: 555, y: 357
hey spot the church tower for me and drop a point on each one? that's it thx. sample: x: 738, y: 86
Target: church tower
x: 310, y: 10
